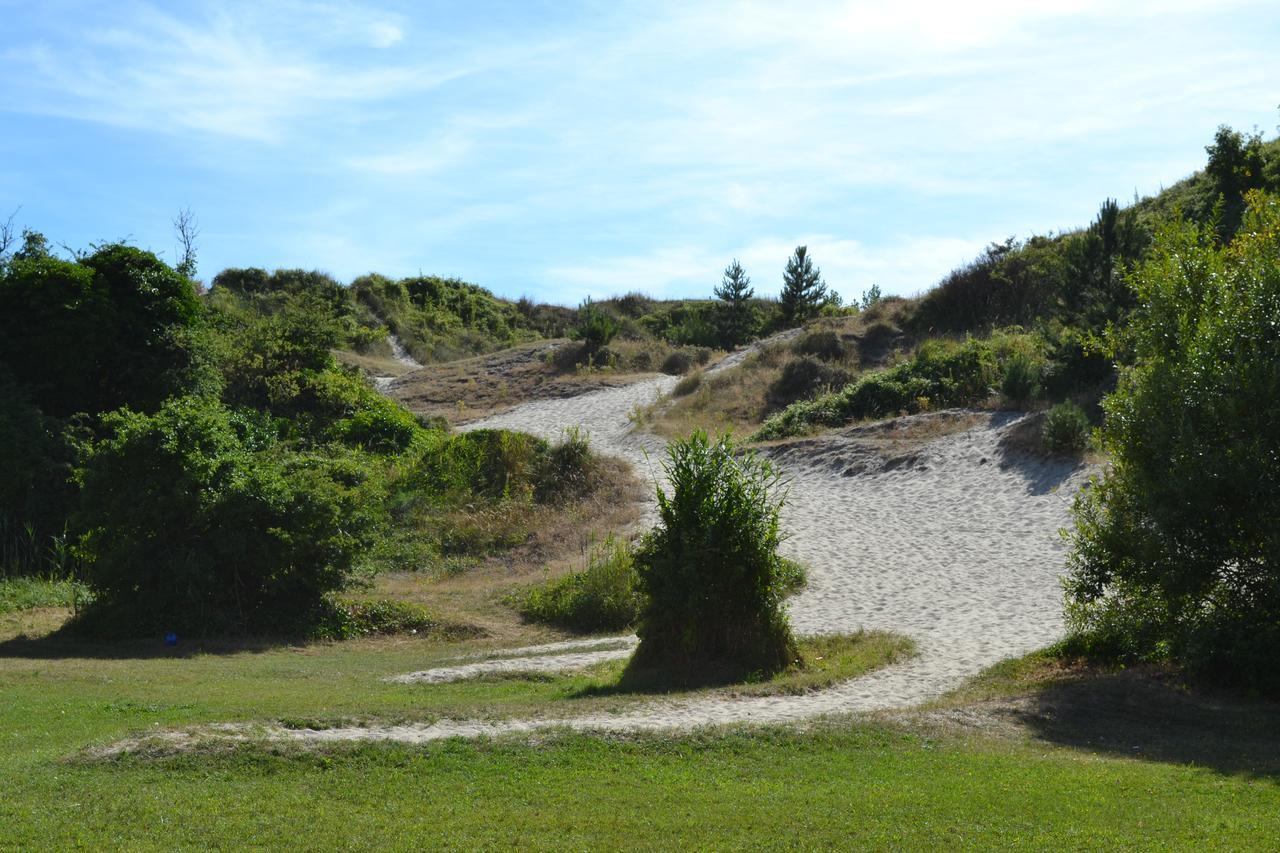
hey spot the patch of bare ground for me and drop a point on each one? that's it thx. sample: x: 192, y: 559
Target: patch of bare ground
x: 560, y: 540
x: 479, y: 387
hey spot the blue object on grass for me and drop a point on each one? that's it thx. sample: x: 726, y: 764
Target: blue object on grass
x: 171, y: 639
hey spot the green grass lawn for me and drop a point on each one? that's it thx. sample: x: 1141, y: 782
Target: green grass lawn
x: 839, y: 784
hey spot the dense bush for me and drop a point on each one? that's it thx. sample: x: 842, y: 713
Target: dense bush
x: 822, y: 343
x: 97, y: 333
x: 802, y: 377
x: 1176, y: 551
x: 1021, y: 381
x: 595, y: 328
x: 1066, y: 429
x: 185, y: 528
x: 710, y: 572
x: 604, y: 596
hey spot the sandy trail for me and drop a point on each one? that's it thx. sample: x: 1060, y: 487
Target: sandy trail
x: 955, y: 544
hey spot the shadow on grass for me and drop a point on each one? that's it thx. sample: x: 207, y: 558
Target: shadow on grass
x: 62, y: 645
x: 1139, y: 715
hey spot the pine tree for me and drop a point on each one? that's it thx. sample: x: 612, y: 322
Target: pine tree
x: 803, y: 290
x: 736, y: 287
x: 736, y: 319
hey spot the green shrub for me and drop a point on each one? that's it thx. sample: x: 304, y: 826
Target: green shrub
x: 567, y: 469
x: 339, y: 619
x: 595, y: 328
x: 710, y: 571
x: 678, y: 363
x: 1021, y: 382
x: 24, y: 593
x: 604, y: 596
x: 1066, y: 429
x: 186, y: 529
x: 803, y: 376
x: 822, y: 343
x: 1176, y: 550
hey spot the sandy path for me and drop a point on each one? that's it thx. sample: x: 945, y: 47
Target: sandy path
x: 955, y: 544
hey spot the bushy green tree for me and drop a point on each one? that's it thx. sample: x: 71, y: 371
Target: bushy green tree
x: 803, y: 290
x: 98, y: 333
x: 710, y: 570
x: 1177, y: 551
x: 595, y: 328
x: 188, y: 528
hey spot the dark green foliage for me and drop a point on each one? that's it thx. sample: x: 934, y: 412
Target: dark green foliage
x: 1021, y: 381
x: 187, y: 529
x: 1066, y: 429
x: 803, y: 290
x: 566, y: 470
x: 802, y: 377
x: 36, y: 495
x: 870, y: 298
x: 738, y: 320
x: 604, y: 596
x: 710, y: 570
x: 1176, y: 551
x: 595, y: 328
x: 92, y: 335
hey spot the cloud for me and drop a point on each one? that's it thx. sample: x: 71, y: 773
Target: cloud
x: 242, y: 72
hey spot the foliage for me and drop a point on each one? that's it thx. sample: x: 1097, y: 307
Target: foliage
x: 1066, y: 429
x: 604, y: 596
x: 186, y: 528
x: 595, y: 328
x: 738, y: 321
x: 1021, y: 381
x: 710, y: 570
x: 343, y: 619
x: 1176, y: 551
x: 97, y: 333
x: 870, y: 298
x: 943, y: 373
x: 802, y: 377
x: 803, y: 290
x: 687, y: 384
x: 27, y: 592
x: 823, y: 343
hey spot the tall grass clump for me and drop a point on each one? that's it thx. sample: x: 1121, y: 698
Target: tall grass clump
x: 710, y: 572
x: 604, y: 596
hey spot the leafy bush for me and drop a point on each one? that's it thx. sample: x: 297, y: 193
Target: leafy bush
x: 710, y: 571
x: 604, y: 596
x: 678, y: 363
x: 1066, y: 429
x: 595, y: 328
x: 1021, y: 382
x: 822, y: 343
x: 187, y: 529
x: 24, y: 593
x: 803, y: 376
x: 98, y: 333
x: 1176, y: 551
x: 567, y: 469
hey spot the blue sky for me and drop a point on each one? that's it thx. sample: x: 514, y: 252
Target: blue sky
x: 572, y: 148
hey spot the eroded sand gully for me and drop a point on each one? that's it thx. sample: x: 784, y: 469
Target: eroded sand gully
x: 955, y: 543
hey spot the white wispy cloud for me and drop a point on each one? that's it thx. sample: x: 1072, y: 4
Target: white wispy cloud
x: 237, y: 71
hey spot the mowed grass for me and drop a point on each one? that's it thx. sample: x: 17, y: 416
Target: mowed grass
x: 838, y: 784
